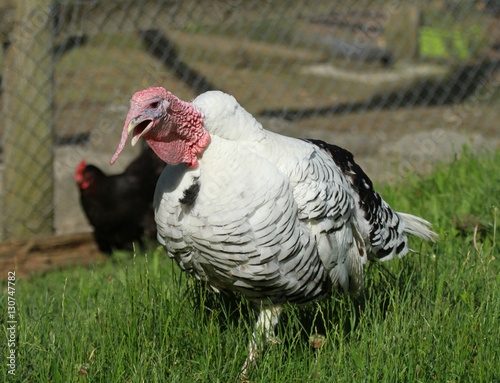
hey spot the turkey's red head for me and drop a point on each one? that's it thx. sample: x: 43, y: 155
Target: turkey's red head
x: 171, y: 127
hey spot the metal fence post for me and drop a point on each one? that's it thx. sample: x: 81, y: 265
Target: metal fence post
x: 28, y: 103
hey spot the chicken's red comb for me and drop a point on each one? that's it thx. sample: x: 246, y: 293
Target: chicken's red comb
x: 79, y: 171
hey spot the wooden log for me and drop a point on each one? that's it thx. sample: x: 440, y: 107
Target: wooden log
x: 37, y: 255
x: 28, y: 102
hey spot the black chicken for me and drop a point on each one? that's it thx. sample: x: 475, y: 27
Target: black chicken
x: 120, y: 207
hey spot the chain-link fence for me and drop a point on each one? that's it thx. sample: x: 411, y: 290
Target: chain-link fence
x: 400, y: 84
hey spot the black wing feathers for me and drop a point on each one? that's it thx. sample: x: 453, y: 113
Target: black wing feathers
x: 385, y: 232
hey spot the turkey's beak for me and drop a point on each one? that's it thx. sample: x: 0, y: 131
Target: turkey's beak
x: 139, y: 126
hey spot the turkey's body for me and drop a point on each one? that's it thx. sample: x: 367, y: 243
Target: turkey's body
x: 234, y: 223
x: 270, y: 216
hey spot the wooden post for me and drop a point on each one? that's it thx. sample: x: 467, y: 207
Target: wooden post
x: 28, y: 102
x: 401, y: 31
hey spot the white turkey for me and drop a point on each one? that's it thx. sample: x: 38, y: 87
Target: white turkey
x: 276, y: 218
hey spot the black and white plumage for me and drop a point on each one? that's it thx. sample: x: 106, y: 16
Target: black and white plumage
x: 275, y: 218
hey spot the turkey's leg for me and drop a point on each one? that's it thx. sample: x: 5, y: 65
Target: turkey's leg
x: 264, y: 330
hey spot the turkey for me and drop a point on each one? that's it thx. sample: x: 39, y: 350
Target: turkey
x: 275, y: 218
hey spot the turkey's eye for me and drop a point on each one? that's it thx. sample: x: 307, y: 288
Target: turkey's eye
x: 155, y: 104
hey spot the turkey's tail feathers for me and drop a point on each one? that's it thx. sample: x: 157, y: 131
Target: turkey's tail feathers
x: 419, y: 227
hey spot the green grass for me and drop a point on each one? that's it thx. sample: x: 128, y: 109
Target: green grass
x: 431, y: 316
x: 444, y: 43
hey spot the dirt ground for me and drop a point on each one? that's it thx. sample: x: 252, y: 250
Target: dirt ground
x: 35, y: 256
